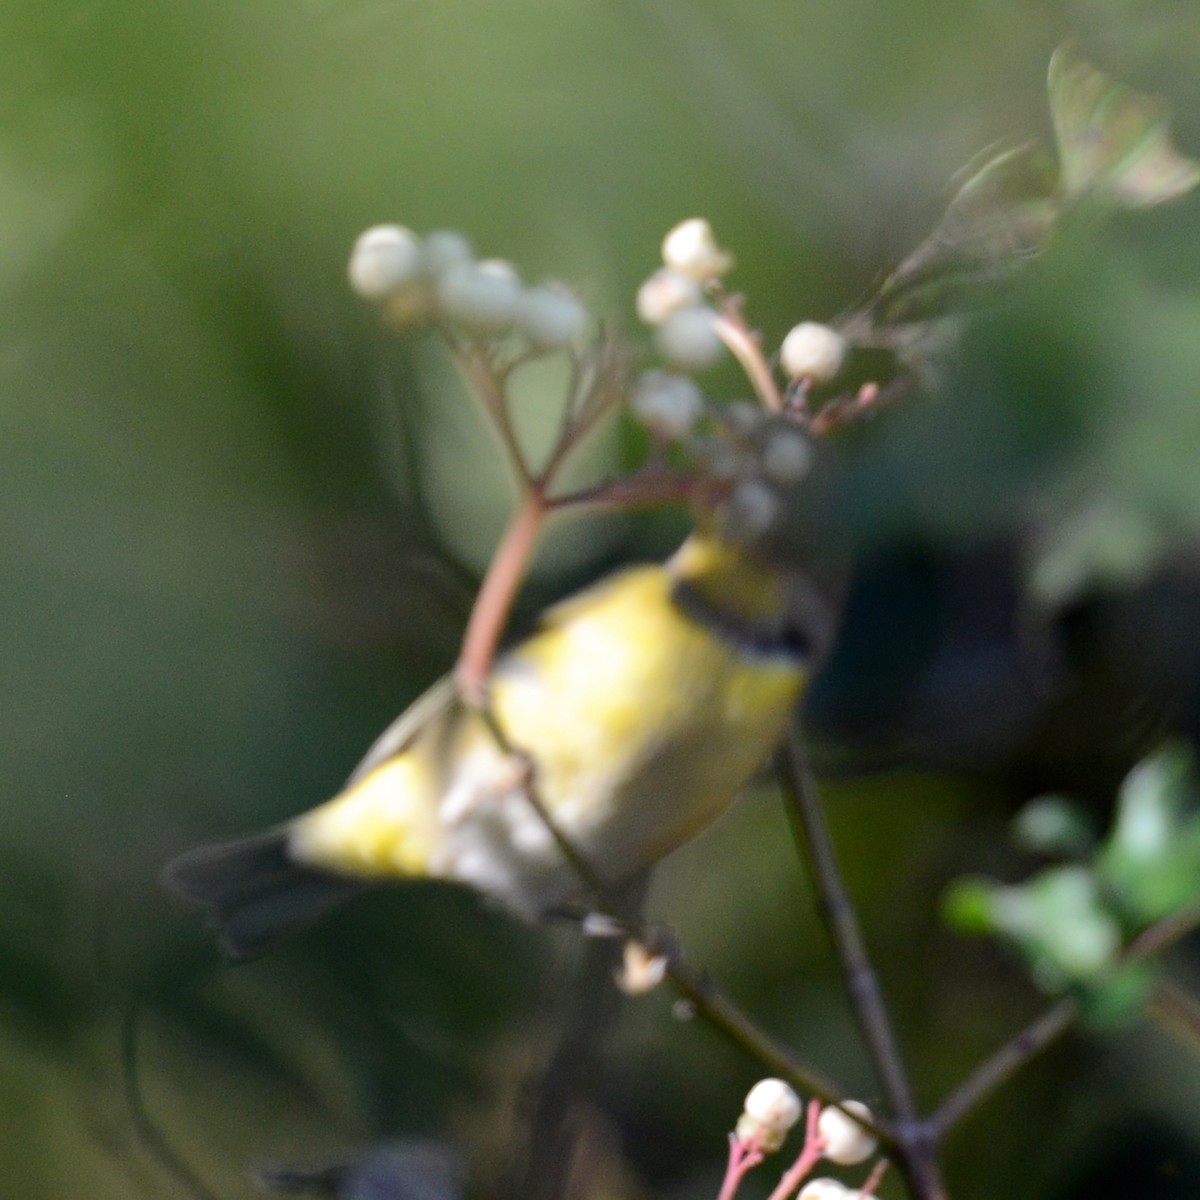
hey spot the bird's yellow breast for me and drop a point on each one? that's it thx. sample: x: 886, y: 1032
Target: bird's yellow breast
x: 641, y: 722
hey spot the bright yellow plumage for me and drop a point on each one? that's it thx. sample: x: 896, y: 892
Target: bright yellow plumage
x: 644, y: 703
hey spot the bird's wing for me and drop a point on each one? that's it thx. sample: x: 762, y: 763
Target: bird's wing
x: 397, y: 737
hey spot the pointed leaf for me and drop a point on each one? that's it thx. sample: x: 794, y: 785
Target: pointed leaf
x: 1113, y: 141
x: 1151, y: 861
x: 998, y: 219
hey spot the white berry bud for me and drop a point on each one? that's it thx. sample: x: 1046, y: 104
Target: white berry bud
x: 666, y: 292
x: 668, y: 404
x: 786, y: 457
x: 550, y: 316
x: 688, y: 340
x: 385, y: 259
x: 444, y: 248
x: 642, y: 970
x: 770, y: 1110
x: 846, y: 1141
x: 824, y: 1189
x: 481, y: 297
x: 691, y: 247
x: 812, y: 351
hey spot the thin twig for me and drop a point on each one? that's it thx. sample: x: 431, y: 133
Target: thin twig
x: 480, y: 376
x: 727, y: 1017
x: 708, y: 1001
x: 842, y: 922
x: 1163, y: 934
x: 651, y: 485
x: 548, y: 1151
x: 1177, y: 1012
x: 592, y: 394
x: 1058, y: 1018
x: 1001, y: 1065
x: 151, y: 1137
x: 916, y: 1149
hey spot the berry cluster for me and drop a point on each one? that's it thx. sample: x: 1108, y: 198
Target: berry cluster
x: 438, y: 279
x: 770, y: 1111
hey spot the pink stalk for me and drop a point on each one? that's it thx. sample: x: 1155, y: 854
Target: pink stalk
x: 743, y: 345
x: 495, y: 600
x: 814, y: 1148
x: 873, y: 1180
x: 744, y: 1156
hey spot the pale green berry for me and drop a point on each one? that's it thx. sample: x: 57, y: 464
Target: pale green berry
x: 445, y: 248
x: 743, y: 417
x: 689, y: 341
x: 482, y: 298
x: 812, y: 351
x: 550, y: 316
x: 668, y: 404
x: 786, y: 457
x: 750, y: 510
x: 719, y: 459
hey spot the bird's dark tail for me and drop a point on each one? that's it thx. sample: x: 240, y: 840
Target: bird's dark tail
x: 254, y: 891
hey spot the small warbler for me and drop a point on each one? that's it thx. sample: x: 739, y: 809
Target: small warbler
x: 642, y: 704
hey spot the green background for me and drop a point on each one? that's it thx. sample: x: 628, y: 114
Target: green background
x: 240, y: 526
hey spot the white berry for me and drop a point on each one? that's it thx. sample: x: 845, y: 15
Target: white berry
x: 824, y: 1189
x: 688, y: 340
x: 691, y: 247
x: 385, y: 259
x: 481, y: 297
x: 846, y: 1141
x: 812, y: 351
x: 668, y: 404
x: 666, y: 292
x: 550, y: 316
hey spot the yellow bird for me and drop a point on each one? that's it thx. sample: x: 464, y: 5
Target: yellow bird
x: 644, y: 703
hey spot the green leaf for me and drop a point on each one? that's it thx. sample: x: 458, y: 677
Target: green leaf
x: 997, y: 220
x: 1057, y: 921
x: 1113, y: 142
x: 969, y: 906
x: 1118, y: 997
x: 1054, y: 825
x: 1151, y: 860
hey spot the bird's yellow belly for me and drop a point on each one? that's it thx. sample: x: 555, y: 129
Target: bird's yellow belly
x: 641, y: 725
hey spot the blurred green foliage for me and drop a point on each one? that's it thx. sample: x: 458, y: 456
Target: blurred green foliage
x: 226, y: 500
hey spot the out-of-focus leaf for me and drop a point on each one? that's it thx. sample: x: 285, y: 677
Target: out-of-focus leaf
x: 1057, y: 920
x: 997, y: 220
x: 1113, y: 142
x: 969, y: 906
x: 1060, y: 923
x: 1102, y: 543
x: 1151, y: 861
x: 1071, y: 922
x: 1119, y: 997
x: 1054, y: 825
